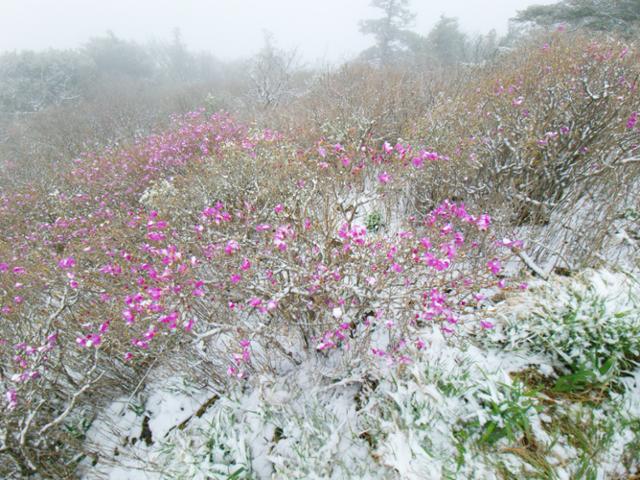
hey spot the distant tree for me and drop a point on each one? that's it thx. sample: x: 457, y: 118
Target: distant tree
x: 31, y: 81
x: 482, y: 47
x: 175, y: 62
x: 116, y: 57
x: 206, y: 67
x: 516, y: 32
x: 181, y: 63
x: 603, y: 15
x: 392, y: 36
x: 446, y: 41
x: 270, y: 73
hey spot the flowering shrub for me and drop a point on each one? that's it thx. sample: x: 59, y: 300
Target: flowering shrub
x: 251, y: 243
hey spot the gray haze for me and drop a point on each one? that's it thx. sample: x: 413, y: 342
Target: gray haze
x: 320, y: 30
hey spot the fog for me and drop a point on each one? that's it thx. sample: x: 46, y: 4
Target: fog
x: 320, y: 30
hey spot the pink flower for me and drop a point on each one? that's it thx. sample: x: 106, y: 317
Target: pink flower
x: 325, y: 345
x: 404, y: 360
x: 483, y: 222
x: 282, y: 233
x: 198, y: 292
x: 209, y: 212
x: 505, y: 242
x: 90, y: 340
x: 486, y: 325
x: 143, y: 344
x: 154, y: 293
x: 128, y: 316
x: 246, y: 264
x: 170, y: 319
x: 278, y: 208
x: 494, y: 266
x: 232, y: 246
x: 156, y: 236
x: 632, y: 120
x: 67, y: 263
x: 12, y: 399
x: 255, y: 302
x: 384, y: 178
x: 160, y: 225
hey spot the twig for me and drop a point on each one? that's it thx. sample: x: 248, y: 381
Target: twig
x: 74, y: 398
x: 528, y: 261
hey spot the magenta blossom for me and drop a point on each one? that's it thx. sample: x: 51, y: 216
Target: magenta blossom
x: 67, y: 263
x: 494, y: 266
x: 483, y: 222
x: 384, y: 177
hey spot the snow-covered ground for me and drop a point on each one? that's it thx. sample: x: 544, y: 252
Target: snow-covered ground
x: 518, y: 401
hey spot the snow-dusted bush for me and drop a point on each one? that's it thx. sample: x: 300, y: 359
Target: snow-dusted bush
x: 547, y: 135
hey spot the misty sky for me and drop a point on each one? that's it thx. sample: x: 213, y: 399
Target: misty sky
x: 320, y: 30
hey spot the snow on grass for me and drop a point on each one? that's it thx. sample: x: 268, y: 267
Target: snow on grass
x: 428, y: 419
x: 119, y: 436
x: 585, y: 320
x: 473, y: 406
